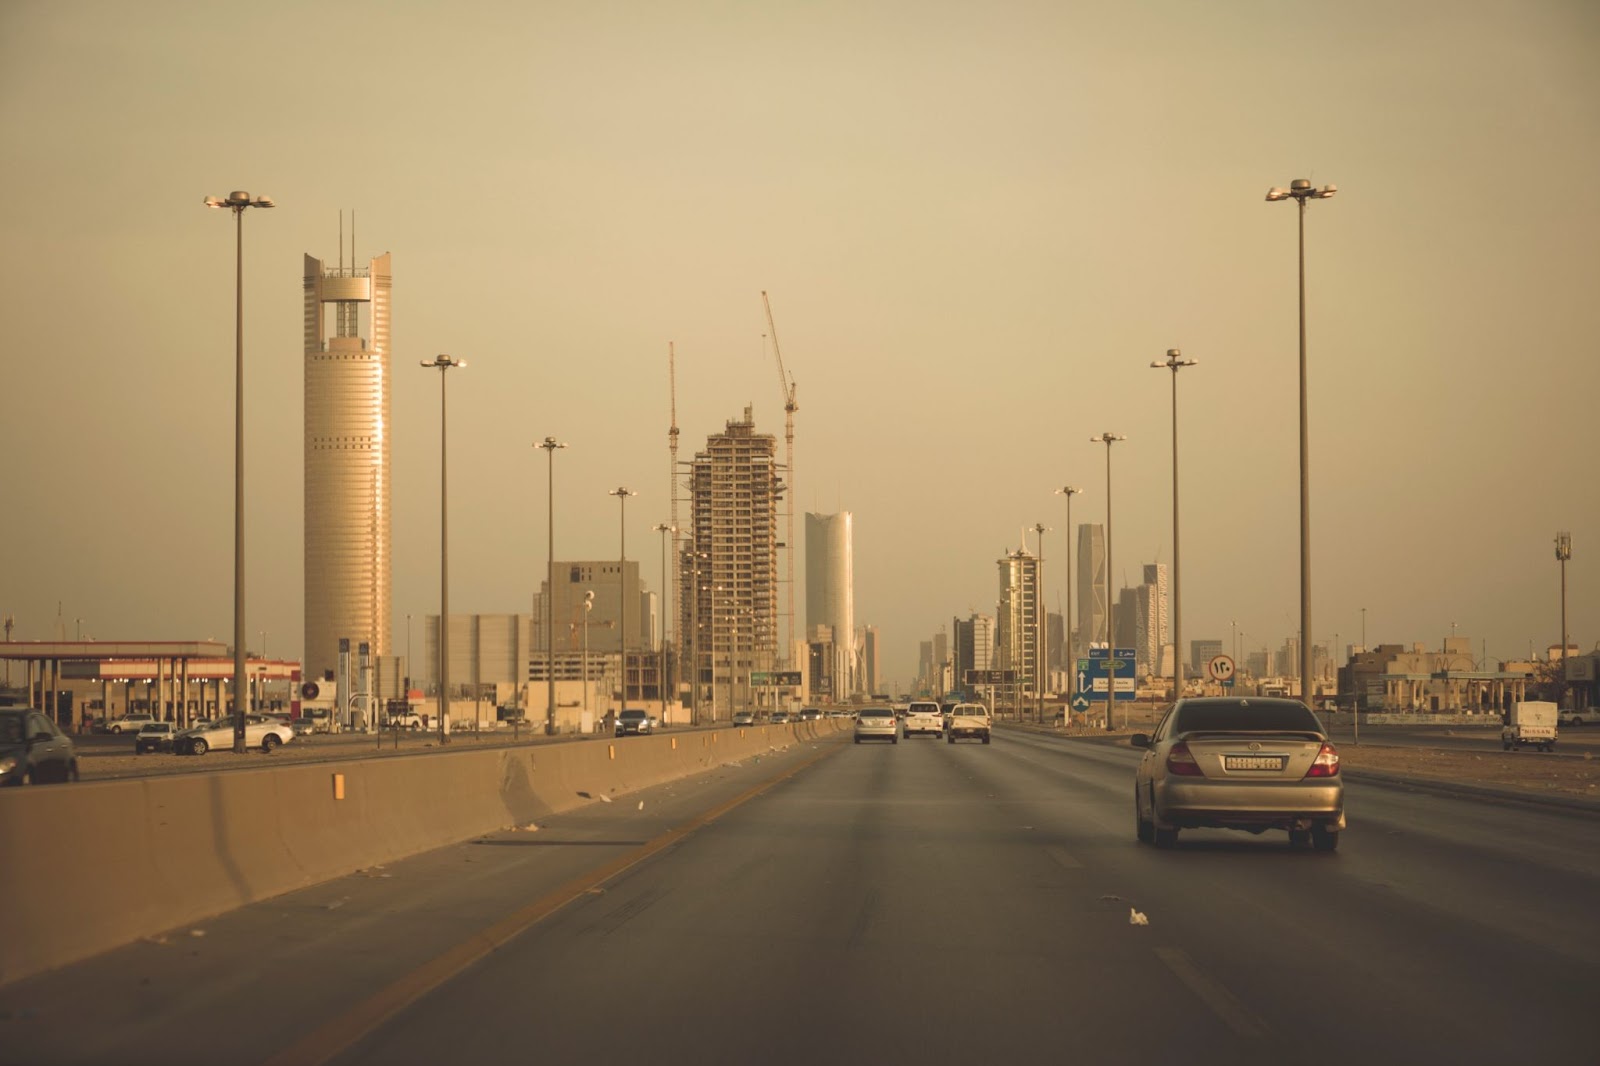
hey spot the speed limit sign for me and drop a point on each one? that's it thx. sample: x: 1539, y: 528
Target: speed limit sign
x: 1220, y: 668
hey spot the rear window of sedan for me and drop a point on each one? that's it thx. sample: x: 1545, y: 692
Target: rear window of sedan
x: 877, y: 712
x: 1244, y: 716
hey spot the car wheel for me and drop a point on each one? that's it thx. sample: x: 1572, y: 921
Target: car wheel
x: 1165, y: 838
x: 72, y: 771
x: 415, y: 726
x: 858, y: 740
x: 1299, y: 838
x: 986, y: 738
x: 1324, y: 839
x: 198, y: 746
x: 269, y: 742
x: 952, y: 738
x: 894, y: 740
x: 1143, y: 829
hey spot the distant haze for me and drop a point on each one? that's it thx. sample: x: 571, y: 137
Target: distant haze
x: 978, y: 225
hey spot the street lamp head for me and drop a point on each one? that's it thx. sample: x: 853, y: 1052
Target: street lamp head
x: 1068, y: 491
x: 1107, y: 438
x: 443, y: 362
x: 620, y: 492
x: 549, y: 444
x: 1327, y: 191
x: 1276, y: 193
x: 239, y: 200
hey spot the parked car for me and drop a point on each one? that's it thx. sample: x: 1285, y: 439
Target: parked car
x: 153, y: 736
x: 302, y: 727
x: 404, y: 720
x: 130, y: 723
x: 32, y: 750
x: 1251, y: 764
x: 877, y: 723
x: 267, y: 734
x: 968, y: 720
x: 634, y: 721
x: 1579, y: 717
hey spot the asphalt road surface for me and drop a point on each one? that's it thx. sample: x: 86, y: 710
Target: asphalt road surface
x: 913, y: 903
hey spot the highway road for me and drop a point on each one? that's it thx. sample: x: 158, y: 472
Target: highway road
x: 917, y: 902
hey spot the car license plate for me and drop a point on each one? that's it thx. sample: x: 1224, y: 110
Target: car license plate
x: 1254, y: 762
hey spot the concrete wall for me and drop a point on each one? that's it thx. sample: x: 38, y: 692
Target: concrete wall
x: 95, y: 865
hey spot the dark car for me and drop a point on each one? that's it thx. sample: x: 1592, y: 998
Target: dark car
x: 634, y: 721
x: 32, y: 750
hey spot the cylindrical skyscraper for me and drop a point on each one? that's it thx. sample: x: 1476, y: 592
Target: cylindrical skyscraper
x: 347, y: 460
x: 830, y: 590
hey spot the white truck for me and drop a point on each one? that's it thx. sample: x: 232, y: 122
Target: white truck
x: 968, y: 720
x: 1531, y: 723
x: 1579, y: 716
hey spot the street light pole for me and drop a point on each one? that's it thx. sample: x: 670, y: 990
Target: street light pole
x: 1041, y: 626
x: 550, y: 446
x: 1071, y: 664
x: 661, y: 679
x: 1175, y: 362
x: 1563, y: 553
x: 1300, y: 190
x: 622, y: 495
x: 237, y: 202
x: 444, y: 363
x: 1109, y: 439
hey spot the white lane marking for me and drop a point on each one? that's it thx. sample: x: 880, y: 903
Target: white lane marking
x: 1063, y: 858
x: 1212, y: 994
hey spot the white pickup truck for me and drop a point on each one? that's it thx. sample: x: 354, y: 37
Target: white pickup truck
x: 969, y: 720
x: 1532, y: 723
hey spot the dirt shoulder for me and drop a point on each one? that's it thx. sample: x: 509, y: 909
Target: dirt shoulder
x: 1527, y: 771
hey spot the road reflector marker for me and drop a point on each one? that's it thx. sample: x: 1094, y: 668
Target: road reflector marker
x: 338, y: 786
x: 611, y: 751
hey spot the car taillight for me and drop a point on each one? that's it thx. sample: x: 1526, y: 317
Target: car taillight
x: 1180, y: 761
x: 1326, y: 764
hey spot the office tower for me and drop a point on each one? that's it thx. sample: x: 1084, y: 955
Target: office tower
x: 830, y: 591
x: 1150, y: 638
x: 1201, y: 652
x: 871, y: 670
x: 730, y: 563
x: 574, y: 580
x: 1090, y: 591
x: 941, y: 657
x: 1019, y: 621
x: 973, y: 647
x: 347, y: 560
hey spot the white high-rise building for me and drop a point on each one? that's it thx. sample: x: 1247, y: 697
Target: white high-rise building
x: 830, y: 589
x: 1018, y: 620
x: 347, y: 560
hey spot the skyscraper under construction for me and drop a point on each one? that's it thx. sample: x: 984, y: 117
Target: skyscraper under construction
x: 729, y: 595
x: 347, y: 563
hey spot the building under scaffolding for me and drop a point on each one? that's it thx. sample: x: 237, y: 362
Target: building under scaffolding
x: 729, y: 593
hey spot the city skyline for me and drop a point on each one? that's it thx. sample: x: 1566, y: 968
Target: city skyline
x: 959, y: 226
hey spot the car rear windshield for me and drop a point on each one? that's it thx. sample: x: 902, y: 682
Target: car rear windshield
x: 1228, y: 716
x: 924, y: 708
x: 877, y: 712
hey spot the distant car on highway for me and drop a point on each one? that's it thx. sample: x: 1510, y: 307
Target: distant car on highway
x: 404, y: 720
x: 268, y: 734
x: 969, y: 720
x: 130, y: 723
x: 922, y: 716
x: 1250, y: 764
x: 153, y: 736
x: 634, y: 721
x: 744, y: 718
x: 877, y: 723
x: 33, y: 751
x: 780, y: 717
x: 811, y: 714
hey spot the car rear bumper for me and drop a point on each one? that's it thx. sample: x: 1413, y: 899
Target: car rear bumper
x: 1231, y: 804
x: 974, y: 733
x: 875, y: 733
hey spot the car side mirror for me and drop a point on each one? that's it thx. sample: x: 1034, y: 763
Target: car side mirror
x: 1139, y: 740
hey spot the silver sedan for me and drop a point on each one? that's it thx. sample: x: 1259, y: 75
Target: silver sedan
x: 877, y: 723
x: 1250, y: 764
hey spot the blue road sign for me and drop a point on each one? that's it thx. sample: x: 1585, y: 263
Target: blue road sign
x: 1094, y: 673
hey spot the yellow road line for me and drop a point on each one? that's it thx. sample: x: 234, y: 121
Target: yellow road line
x: 336, y: 1035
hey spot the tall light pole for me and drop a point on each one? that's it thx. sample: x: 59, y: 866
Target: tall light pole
x: 661, y: 680
x: 1175, y: 362
x: 1041, y: 626
x: 550, y: 446
x: 237, y: 202
x: 622, y: 495
x: 1563, y: 553
x: 1108, y: 439
x: 408, y: 661
x: 1071, y: 664
x: 588, y: 605
x: 1300, y: 191
x: 444, y: 363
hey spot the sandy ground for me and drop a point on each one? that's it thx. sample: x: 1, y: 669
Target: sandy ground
x: 1525, y: 771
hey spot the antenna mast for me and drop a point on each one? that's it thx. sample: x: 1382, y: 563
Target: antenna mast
x: 786, y: 384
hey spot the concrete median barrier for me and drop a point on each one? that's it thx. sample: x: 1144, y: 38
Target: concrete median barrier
x: 99, y: 864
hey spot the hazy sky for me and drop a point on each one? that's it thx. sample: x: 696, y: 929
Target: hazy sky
x: 978, y: 224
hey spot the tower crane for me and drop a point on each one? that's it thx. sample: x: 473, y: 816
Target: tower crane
x: 787, y: 386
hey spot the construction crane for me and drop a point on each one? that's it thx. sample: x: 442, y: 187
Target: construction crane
x: 787, y: 386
